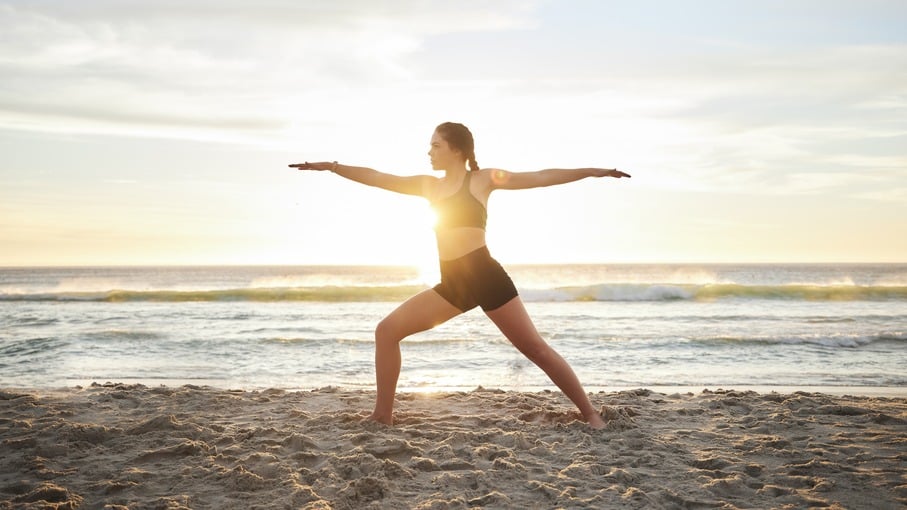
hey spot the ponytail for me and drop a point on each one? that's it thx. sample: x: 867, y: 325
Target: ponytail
x: 473, y: 165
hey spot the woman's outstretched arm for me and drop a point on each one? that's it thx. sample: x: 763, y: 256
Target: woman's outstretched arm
x: 409, y: 185
x: 502, y: 179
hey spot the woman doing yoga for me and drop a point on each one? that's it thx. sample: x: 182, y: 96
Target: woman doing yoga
x: 470, y: 277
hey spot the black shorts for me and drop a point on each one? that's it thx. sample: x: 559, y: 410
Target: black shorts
x: 475, y: 279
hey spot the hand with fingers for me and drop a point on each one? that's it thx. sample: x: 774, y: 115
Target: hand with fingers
x: 608, y: 172
x: 321, y: 165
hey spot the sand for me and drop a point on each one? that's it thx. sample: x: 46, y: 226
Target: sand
x: 117, y: 446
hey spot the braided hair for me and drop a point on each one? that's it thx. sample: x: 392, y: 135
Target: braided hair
x: 460, y: 138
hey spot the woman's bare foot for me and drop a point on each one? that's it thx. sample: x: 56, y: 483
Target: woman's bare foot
x: 386, y: 420
x: 596, y: 422
x: 600, y: 420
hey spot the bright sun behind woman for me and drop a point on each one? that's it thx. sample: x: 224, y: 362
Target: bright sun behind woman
x: 427, y: 265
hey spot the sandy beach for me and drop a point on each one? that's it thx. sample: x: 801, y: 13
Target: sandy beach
x: 136, y: 447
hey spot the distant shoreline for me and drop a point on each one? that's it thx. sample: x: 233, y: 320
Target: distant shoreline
x: 414, y: 266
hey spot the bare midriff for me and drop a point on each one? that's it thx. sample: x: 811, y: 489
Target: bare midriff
x: 453, y: 243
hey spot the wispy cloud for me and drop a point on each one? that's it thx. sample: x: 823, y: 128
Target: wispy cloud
x: 200, y: 66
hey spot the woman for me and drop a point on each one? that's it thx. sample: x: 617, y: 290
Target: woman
x: 469, y: 276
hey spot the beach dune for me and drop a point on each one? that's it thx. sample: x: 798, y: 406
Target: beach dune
x: 116, y: 446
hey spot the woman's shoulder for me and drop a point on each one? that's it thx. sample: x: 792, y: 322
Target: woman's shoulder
x: 491, y: 177
x: 430, y: 186
x: 484, y: 174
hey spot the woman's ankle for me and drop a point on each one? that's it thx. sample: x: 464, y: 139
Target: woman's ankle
x: 381, y: 418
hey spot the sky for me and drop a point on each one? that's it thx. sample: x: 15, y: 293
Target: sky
x: 145, y: 133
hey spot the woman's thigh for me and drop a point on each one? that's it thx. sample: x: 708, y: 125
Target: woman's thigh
x: 423, y: 311
x: 514, y: 322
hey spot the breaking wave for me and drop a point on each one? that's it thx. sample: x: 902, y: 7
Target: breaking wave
x: 601, y: 292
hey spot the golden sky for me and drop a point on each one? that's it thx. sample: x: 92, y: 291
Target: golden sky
x: 159, y: 132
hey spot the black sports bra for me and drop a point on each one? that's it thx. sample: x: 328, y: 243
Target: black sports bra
x: 461, y: 209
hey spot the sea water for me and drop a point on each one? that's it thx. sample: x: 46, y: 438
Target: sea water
x: 308, y: 327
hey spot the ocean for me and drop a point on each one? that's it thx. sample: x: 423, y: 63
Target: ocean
x: 306, y: 327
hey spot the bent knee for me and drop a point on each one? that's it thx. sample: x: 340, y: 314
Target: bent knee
x: 387, y: 331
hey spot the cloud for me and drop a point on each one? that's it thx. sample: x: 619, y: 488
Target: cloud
x: 765, y: 120
x: 186, y: 67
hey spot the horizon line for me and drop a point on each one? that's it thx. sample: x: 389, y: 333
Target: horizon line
x: 327, y: 264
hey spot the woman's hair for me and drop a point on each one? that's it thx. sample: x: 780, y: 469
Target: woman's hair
x: 460, y: 138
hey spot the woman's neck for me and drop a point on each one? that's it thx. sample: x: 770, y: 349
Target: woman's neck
x: 455, y: 173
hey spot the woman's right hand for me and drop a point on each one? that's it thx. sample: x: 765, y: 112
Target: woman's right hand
x: 321, y: 165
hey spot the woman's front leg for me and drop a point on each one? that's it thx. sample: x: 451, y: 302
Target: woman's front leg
x: 419, y: 313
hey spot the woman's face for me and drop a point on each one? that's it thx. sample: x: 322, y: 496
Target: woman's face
x: 442, y: 156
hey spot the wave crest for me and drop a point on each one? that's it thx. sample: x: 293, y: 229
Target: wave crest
x: 601, y: 292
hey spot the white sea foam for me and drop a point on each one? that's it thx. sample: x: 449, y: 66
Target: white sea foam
x: 93, y: 285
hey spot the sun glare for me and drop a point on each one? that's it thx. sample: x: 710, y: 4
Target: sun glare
x: 428, y: 271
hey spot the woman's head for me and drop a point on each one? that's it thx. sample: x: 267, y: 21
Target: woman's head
x: 459, y: 138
